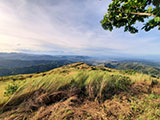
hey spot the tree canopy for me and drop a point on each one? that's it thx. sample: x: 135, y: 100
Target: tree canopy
x: 127, y: 13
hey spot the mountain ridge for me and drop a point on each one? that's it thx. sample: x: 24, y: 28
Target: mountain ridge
x: 80, y: 91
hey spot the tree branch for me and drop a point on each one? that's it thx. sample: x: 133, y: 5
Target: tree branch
x: 143, y: 14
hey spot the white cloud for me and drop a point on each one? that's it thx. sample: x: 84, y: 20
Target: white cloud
x: 67, y: 26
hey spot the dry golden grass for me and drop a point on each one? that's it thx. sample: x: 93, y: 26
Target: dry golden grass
x: 80, y: 91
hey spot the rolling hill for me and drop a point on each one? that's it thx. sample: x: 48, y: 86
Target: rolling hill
x: 33, y: 67
x: 21, y: 63
x: 140, y: 67
x: 80, y: 91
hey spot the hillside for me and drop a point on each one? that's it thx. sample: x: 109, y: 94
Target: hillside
x: 20, y: 63
x: 40, y: 66
x: 80, y: 92
x: 140, y: 67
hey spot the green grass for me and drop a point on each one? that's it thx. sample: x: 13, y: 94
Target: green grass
x: 98, y: 79
x: 147, y: 108
x: 97, y: 84
x: 95, y: 81
x: 3, y: 85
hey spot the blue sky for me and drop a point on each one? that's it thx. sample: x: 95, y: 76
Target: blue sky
x: 62, y: 27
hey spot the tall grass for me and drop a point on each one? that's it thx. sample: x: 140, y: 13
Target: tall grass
x: 95, y: 84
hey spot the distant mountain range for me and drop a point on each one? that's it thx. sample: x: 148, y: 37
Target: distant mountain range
x: 23, y: 56
x: 21, y: 63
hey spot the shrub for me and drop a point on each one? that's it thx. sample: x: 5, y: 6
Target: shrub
x: 10, y: 89
x: 154, y: 82
x: 113, y: 84
x: 118, y: 82
x: 129, y: 72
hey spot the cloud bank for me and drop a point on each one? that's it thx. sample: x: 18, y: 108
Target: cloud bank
x: 66, y: 27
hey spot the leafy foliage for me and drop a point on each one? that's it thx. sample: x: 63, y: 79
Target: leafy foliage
x: 126, y: 13
x: 10, y: 89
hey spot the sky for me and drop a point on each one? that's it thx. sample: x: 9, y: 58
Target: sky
x: 67, y: 27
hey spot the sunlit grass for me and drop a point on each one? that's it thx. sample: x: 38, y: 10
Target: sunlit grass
x: 95, y: 81
x: 2, y: 90
x: 98, y: 85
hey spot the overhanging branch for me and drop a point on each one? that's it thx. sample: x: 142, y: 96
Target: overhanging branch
x: 143, y: 14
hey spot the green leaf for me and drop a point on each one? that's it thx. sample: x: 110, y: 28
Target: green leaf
x: 120, y: 15
x: 157, y: 19
x: 149, y: 9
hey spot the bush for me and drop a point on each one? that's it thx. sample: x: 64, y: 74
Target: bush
x: 114, y: 84
x: 129, y: 72
x: 118, y: 82
x: 10, y: 89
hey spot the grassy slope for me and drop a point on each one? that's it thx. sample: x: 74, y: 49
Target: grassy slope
x: 81, y: 91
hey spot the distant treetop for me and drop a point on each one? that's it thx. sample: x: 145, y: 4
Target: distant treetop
x: 126, y: 13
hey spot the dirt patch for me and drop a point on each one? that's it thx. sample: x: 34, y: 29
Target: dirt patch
x: 116, y: 109
x: 70, y: 109
x: 139, y: 88
x: 58, y: 111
